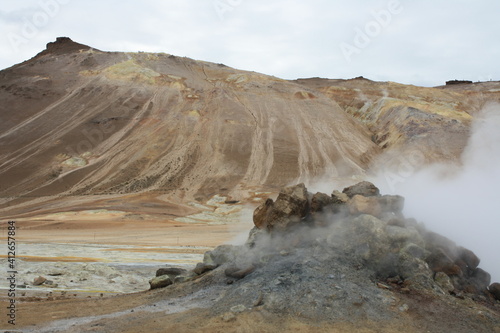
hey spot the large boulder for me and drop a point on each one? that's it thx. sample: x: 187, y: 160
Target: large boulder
x: 392, y: 203
x: 321, y: 202
x: 339, y: 198
x: 256, y: 236
x: 376, y: 205
x: 364, y: 205
x: 444, y: 282
x: 468, y: 257
x: 261, y: 214
x: 202, y: 268
x: 366, y: 238
x: 480, y: 279
x: 171, y: 271
x: 221, y: 255
x: 494, y: 289
x: 237, y: 272
x: 160, y: 282
x: 289, y: 208
x: 439, y: 261
x: 39, y: 281
x: 365, y: 189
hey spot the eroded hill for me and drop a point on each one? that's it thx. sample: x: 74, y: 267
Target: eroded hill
x: 79, y: 121
x: 76, y: 121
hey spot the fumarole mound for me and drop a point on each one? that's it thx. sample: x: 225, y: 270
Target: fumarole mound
x: 346, y: 257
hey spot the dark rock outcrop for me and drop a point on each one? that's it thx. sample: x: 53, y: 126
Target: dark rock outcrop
x: 321, y: 202
x: 289, y: 208
x: 494, y: 289
x: 172, y: 271
x: 365, y: 189
x: 39, y: 281
x: 160, y: 282
x: 202, y: 268
x: 63, y: 45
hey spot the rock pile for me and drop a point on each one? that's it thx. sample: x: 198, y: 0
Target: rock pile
x: 326, y: 256
x: 378, y: 232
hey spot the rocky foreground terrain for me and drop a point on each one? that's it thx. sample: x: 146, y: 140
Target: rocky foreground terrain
x: 349, y: 261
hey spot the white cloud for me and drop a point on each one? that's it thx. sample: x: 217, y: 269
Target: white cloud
x: 427, y: 43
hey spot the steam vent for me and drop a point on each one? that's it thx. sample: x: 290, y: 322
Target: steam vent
x: 351, y: 255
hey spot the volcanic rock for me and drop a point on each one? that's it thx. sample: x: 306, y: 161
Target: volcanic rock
x: 444, y: 282
x: 339, y: 198
x: 481, y: 279
x: 364, y: 188
x: 321, y: 202
x: 392, y: 203
x: 364, y: 205
x: 160, y: 282
x: 239, y: 273
x: 221, y: 255
x: 202, y: 268
x: 439, y: 261
x: 171, y: 271
x: 494, y: 289
x: 39, y: 281
x: 261, y: 214
x: 63, y: 45
x: 469, y: 257
x: 289, y: 208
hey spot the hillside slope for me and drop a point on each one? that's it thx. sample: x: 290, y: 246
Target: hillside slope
x: 79, y: 121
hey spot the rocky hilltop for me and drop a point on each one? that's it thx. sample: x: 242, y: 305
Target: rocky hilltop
x: 346, y: 257
x: 80, y: 122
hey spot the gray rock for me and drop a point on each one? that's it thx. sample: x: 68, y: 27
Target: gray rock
x: 401, y: 236
x: 439, y: 261
x: 39, y: 281
x: 359, y: 204
x: 185, y: 277
x: 238, y: 308
x: 261, y: 214
x: 469, y: 257
x: 289, y: 208
x: 171, y: 271
x: 255, y: 236
x: 435, y: 241
x: 481, y: 279
x: 414, y: 251
x: 365, y: 189
x: 392, y: 203
x: 321, y: 202
x: 221, y: 255
x: 339, y: 198
x: 379, y: 206
x: 237, y: 272
x: 202, y: 268
x: 494, y: 289
x: 160, y: 282
x: 444, y: 282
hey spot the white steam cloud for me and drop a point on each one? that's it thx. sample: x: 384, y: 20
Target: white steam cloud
x: 462, y: 203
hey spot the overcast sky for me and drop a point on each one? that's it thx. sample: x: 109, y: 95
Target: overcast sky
x: 423, y: 42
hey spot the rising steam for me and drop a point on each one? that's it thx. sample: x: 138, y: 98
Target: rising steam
x: 462, y: 202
